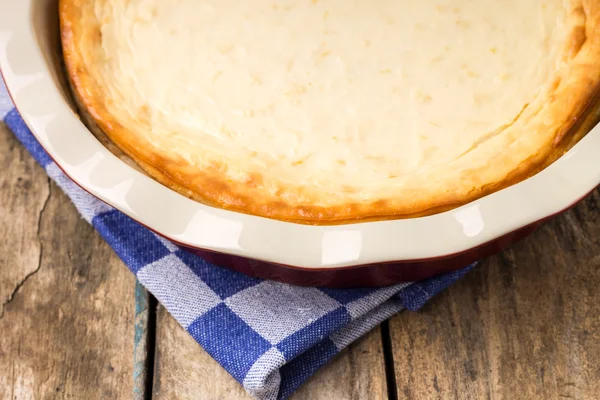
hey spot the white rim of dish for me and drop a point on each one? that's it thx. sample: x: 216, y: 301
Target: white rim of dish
x: 85, y: 160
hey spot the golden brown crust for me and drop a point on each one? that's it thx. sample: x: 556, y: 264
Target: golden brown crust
x: 570, y: 111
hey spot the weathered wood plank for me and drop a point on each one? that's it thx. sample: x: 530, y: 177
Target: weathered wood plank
x: 67, y: 329
x: 357, y: 373
x: 23, y: 193
x: 184, y: 371
x: 524, y: 325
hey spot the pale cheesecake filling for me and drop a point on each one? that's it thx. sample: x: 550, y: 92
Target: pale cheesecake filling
x: 349, y: 97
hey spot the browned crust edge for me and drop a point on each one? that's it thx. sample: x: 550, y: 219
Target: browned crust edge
x: 573, y: 112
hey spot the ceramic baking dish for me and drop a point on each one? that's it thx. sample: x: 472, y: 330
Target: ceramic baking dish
x: 361, y: 254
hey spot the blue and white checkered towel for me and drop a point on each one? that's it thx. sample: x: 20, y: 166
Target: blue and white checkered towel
x: 270, y: 336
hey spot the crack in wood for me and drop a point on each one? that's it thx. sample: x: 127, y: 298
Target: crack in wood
x: 20, y: 284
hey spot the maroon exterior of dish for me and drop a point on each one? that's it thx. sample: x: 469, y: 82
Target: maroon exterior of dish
x: 371, y: 275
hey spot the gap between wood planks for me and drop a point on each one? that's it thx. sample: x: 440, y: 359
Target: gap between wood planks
x: 145, y: 348
x: 144, y: 345
x: 388, y: 358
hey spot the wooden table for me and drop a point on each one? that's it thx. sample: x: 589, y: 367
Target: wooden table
x: 73, y: 324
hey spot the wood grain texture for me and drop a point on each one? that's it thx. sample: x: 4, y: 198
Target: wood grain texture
x: 524, y: 325
x: 184, y: 371
x: 67, y: 329
x: 358, y: 372
x: 24, y: 190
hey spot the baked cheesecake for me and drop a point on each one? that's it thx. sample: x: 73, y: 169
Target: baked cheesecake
x: 335, y: 111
